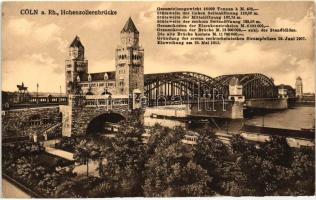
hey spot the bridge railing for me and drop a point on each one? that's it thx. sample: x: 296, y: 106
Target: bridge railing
x: 167, y: 102
x: 106, y: 101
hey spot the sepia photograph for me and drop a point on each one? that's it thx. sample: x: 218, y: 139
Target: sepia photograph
x: 157, y: 99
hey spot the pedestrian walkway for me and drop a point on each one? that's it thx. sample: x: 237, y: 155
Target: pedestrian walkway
x: 79, y: 169
x: 50, y: 143
x: 93, y: 169
x: 60, y: 153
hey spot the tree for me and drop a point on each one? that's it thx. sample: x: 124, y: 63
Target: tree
x: 277, y: 151
x: 171, y: 169
x: 302, y: 174
x: 49, y: 183
x: 67, y: 189
x: 86, y: 150
x: 212, y: 155
x: 125, y: 160
x: 103, y: 189
x: 269, y: 168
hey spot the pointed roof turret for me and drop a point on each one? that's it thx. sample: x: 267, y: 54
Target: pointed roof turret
x: 234, y: 81
x: 129, y: 26
x: 76, y: 42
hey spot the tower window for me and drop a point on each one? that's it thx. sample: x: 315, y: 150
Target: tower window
x: 121, y: 83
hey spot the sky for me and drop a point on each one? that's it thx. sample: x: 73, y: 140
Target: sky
x: 35, y: 47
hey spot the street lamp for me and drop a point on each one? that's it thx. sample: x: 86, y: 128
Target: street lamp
x: 198, y: 96
x: 37, y: 85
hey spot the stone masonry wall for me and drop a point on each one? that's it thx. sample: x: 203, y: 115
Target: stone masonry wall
x: 82, y: 116
x: 220, y: 111
x: 21, y: 122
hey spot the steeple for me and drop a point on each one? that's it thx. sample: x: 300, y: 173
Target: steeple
x: 129, y: 26
x: 76, y: 42
x: 129, y: 61
x: 76, y: 49
x: 76, y: 65
x: 299, y: 87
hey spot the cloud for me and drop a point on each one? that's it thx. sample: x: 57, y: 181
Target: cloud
x: 233, y: 58
x: 304, y: 27
x: 97, y: 23
x: 32, y: 69
x: 43, y: 34
x: 101, y: 65
x: 147, y: 15
x: 20, y: 26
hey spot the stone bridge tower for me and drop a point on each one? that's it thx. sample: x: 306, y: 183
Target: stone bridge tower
x: 129, y: 61
x: 86, y: 113
x: 299, y: 87
x: 76, y: 65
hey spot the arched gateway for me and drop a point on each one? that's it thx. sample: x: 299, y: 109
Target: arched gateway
x: 98, y: 124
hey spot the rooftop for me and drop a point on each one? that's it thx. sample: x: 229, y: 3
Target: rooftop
x: 100, y: 76
x: 129, y: 26
x: 76, y: 42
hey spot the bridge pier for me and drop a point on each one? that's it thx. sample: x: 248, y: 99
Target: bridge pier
x: 226, y: 109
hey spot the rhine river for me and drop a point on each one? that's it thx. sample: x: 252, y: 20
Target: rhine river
x: 294, y: 118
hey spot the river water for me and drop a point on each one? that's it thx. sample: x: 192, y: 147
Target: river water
x: 294, y: 118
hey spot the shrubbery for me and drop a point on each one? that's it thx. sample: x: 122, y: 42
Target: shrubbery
x: 167, y: 167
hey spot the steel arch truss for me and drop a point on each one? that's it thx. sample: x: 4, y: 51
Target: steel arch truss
x: 181, y: 84
x: 254, y: 85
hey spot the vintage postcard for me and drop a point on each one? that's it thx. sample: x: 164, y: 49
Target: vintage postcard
x: 157, y: 99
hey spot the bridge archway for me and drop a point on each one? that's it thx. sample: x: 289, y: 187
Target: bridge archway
x: 192, y: 85
x: 97, y: 124
x: 255, y: 85
x: 184, y: 85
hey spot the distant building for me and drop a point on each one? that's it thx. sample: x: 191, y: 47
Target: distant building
x: 299, y: 87
x: 127, y: 78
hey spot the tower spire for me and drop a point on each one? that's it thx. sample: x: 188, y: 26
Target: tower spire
x: 76, y: 42
x: 129, y: 26
x: 129, y: 61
